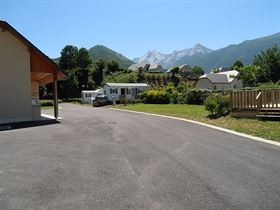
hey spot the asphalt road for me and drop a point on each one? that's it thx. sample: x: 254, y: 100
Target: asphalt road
x: 98, y: 158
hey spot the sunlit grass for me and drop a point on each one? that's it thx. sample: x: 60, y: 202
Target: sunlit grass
x: 264, y: 129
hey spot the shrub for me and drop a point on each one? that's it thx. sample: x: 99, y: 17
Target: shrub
x: 197, y: 96
x: 155, y: 97
x: 171, y: 93
x: 48, y: 102
x: 124, y: 101
x: 217, y: 104
x: 76, y: 100
x: 269, y: 85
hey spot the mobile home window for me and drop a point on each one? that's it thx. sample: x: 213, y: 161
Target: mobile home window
x: 116, y: 91
x: 111, y: 91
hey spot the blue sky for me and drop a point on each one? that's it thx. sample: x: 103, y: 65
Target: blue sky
x: 132, y: 27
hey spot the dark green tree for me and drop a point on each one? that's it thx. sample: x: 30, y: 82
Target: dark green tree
x: 83, y: 58
x: 68, y: 58
x: 237, y: 65
x: 247, y: 75
x: 97, y: 73
x: 175, y: 70
x: 140, y: 75
x: 269, y: 62
x: 112, y: 67
x: 82, y: 72
x: 175, y: 80
x: 197, y: 71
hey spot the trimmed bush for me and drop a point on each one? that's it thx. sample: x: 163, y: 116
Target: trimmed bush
x: 155, y: 97
x: 217, y: 104
x: 197, y: 96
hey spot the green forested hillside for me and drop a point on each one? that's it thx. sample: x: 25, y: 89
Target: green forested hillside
x: 101, y: 52
x: 225, y: 57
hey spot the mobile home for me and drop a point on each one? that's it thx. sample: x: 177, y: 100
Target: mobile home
x: 117, y: 91
x: 88, y: 95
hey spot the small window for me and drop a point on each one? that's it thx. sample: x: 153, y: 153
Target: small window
x: 111, y: 91
x: 116, y: 91
x: 104, y: 92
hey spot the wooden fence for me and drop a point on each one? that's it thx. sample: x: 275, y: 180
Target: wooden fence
x: 252, y: 102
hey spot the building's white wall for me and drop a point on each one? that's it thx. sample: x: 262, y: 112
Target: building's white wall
x: 204, y: 83
x: 15, y: 80
x: 117, y: 95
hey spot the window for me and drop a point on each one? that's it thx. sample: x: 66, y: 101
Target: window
x: 111, y: 91
x: 104, y: 92
x: 116, y: 90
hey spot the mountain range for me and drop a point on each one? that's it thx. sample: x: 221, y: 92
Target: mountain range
x: 198, y: 55
x: 209, y: 59
x: 168, y: 60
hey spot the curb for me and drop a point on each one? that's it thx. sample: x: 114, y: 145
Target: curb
x: 206, y: 125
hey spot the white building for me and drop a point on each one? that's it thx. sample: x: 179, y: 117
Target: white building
x: 88, y: 95
x: 23, y: 68
x: 118, y: 91
x: 219, y: 81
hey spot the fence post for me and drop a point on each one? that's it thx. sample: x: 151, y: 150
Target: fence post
x: 259, y: 102
x: 231, y: 101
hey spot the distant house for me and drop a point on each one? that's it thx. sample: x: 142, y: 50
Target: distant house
x: 23, y: 68
x: 185, y: 69
x: 136, y: 66
x: 155, y: 68
x: 128, y: 91
x: 219, y: 81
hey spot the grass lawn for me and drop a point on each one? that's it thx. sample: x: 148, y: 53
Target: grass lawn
x: 266, y: 129
x: 46, y: 107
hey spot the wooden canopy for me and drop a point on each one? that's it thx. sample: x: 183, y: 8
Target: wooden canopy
x: 42, y: 68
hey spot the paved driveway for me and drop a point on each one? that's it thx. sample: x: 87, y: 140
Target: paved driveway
x: 107, y: 159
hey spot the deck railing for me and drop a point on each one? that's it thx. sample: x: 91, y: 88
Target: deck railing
x: 255, y: 100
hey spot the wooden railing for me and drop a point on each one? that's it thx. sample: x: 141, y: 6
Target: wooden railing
x: 245, y: 99
x: 255, y: 100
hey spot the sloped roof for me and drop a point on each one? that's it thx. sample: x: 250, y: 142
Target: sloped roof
x: 127, y: 84
x: 154, y: 66
x: 221, y: 77
x: 136, y: 66
x: 34, y: 52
